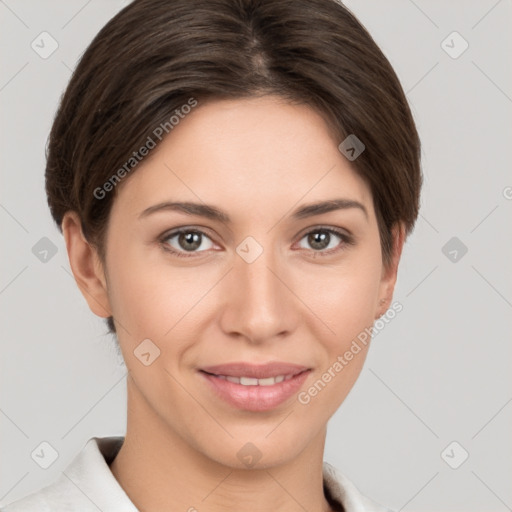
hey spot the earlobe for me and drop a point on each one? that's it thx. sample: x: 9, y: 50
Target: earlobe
x: 389, y: 272
x: 86, y: 266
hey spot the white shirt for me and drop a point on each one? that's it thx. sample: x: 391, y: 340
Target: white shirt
x: 88, y: 485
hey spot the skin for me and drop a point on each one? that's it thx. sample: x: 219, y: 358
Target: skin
x: 257, y: 159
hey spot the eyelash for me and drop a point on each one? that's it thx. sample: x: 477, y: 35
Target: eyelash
x: 346, y: 240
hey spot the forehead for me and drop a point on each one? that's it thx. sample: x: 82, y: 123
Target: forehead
x: 254, y: 153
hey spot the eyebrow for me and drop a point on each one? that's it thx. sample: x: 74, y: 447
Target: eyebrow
x: 214, y: 213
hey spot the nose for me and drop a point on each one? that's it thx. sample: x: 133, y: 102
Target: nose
x: 260, y: 305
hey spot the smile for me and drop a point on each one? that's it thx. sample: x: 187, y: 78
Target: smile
x: 255, y: 388
x: 250, y: 381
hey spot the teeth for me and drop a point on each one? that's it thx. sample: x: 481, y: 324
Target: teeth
x: 250, y: 381
x: 266, y: 382
x: 246, y: 381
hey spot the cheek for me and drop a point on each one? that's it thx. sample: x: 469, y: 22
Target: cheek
x: 345, y: 303
x: 344, y: 297
x: 154, y: 298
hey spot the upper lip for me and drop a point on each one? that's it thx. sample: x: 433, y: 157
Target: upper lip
x: 256, y: 371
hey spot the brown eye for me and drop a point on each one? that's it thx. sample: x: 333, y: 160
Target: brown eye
x: 319, y: 240
x: 189, y: 241
x: 186, y: 241
x: 326, y: 240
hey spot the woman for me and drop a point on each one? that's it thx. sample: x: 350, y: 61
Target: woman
x: 235, y: 180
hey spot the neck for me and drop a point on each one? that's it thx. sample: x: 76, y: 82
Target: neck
x: 159, y: 470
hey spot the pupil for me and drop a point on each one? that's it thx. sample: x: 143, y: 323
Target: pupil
x: 317, y: 240
x: 193, y: 240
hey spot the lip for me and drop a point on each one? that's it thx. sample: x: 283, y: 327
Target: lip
x: 255, y: 398
x: 256, y: 371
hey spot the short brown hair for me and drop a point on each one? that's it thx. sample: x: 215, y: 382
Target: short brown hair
x: 154, y: 55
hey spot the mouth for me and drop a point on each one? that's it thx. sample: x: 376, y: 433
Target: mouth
x: 250, y: 381
x: 255, y: 388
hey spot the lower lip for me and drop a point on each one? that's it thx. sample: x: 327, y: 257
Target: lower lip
x: 256, y: 398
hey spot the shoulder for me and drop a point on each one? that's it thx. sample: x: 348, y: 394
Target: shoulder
x: 87, y: 484
x: 342, y: 491
x: 59, y: 495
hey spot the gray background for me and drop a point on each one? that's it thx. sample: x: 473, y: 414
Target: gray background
x: 438, y: 373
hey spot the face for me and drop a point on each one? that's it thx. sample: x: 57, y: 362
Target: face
x: 245, y: 274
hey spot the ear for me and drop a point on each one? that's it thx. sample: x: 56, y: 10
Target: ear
x: 389, y: 272
x: 86, y: 266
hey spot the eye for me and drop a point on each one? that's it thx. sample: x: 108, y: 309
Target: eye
x: 326, y: 241
x: 187, y: 242
x: 183, y: 241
